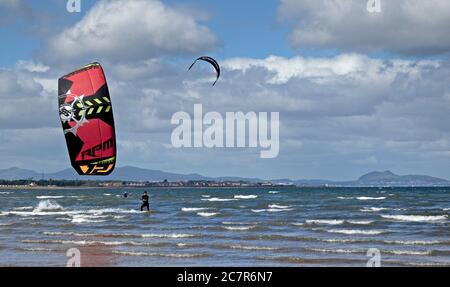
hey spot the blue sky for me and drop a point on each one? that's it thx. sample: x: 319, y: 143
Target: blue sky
x: 355, y: 91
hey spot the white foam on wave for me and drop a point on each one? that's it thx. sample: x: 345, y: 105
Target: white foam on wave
x: 446, y: 209
x: 5, y: 192
x: 279, y: 206
x: 213, y: 199
x: 107, y: 194
x: 325, y: 221
x: 171, y: 255
x: 251, y: 196
x: 206, y: 196
x: 407, y: 252
x: 356, y: 231
x: 326, y: 250
x: 50, y: 196
x: 170, y: 235
x: 416, y: 218
x: 192, y: 209
x: 414, y: 242
x: 372, y: 209
x: 207, y: 214
x: 274, y: 191
x: 370, y: 198
x: 47, y: 205
x: 344, y: 197
x: 248, y: 247
x: 271, y: 210
x: 239, y: 228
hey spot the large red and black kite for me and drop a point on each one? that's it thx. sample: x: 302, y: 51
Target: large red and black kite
x: 87, y: 119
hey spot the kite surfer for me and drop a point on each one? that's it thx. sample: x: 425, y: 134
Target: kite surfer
x: 145, y: 202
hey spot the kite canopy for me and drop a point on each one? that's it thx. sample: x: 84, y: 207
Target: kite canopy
x: 87, y: 119
x: 212, y: 62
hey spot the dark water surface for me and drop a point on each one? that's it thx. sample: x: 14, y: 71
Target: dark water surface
x: 226, y: 227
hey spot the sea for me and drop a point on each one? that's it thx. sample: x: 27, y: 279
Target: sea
x: 226, y: 227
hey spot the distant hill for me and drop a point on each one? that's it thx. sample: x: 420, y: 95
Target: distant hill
x: 386, y: 178
x: 130, y: 173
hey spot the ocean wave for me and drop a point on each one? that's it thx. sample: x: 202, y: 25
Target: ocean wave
x: 248, y: 247
x: 360, y: 222
x: 191, y: 209
x: 326, y: 250
x: 50, y: 196
x: 206, y: 196
x: 207, y: 214
x: 251, y: 196
x: 373, y: 209
x: 6, y: 192
x: 415, y: 242
x: 239, y: 228
x: 356, y: 231
x: 171, y: 255
x: 47, y: 205
x: 370, y: 198
x: 238, y: 223
x: 121, y: 235
x: 213, y: 199
x: 171, y: 235
x: 407, y: 252
x: 279, y: 206
x: 22, y: 208
x: 344, y: 197
x: 88, y: 242
x: 298, y: 224
x: 274, y: 191
x: 325, y: 221
x: 416, y: 218
x: 446, y: 209
x: 271, y: 210
x: 83, y: 218
x: 38, y: 249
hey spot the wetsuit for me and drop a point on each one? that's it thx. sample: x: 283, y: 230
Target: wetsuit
x: 145, y: 202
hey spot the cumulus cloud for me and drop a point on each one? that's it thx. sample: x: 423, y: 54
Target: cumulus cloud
x: 413, y: 27
x: 130, y: 30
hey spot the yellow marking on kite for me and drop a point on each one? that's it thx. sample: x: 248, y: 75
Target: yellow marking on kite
x: 98, y: 101
x: 106, y: 100
x: 108, y: 108
x: 90, y: 111
x: 81, y: 113
x: 88, y: 103
x: 84, y: 168
x: 99, y: 110
x: 79, y: 105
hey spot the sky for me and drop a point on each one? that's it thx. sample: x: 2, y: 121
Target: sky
x: 355, y: 91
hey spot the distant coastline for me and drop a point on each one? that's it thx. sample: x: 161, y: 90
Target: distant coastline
x: 138, y: 177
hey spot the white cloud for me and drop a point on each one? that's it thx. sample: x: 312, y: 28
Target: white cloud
x: 130, y: 30
x: 32, y: 66
x: 404, y: 26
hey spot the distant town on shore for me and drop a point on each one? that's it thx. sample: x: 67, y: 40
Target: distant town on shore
x: 124, y: 177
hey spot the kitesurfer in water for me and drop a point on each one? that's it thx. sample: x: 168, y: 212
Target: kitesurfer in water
x: 145, y: 202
